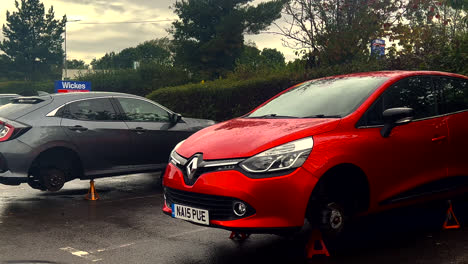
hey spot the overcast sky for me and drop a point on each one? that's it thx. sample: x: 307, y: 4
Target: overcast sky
x: 88, y: 41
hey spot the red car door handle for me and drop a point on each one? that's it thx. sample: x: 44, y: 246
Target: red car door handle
x: 439, y: 138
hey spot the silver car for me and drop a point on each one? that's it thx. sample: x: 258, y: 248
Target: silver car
x: 6, y: 98
x: 51, y: 139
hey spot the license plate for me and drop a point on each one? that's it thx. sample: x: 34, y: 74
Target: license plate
x: 196, y: 215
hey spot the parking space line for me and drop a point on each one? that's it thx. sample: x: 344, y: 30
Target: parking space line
x: 114, y: 247
x: 81, y: 254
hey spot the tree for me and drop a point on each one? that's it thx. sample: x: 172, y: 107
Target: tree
x: 5, y: 64
x: 335, y: 31
x: 209, y: 34
x: 77, y: 64
x: 251, y: 58
x: 431, y: 34
x: 156, y: 51
x: 105, y: 62
x: 273, y: 57
x: 33, y: 39
x: 253, y: 62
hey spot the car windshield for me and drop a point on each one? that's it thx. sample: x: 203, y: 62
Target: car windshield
x: 323, y: 98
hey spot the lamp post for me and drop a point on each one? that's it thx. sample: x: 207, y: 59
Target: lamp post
x: 65, y: 39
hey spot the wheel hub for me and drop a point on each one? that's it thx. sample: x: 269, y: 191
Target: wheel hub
x: 336, y: 219
x: 56, y: 180
x: 53, y: 179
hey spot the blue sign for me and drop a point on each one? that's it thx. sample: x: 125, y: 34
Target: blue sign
x: 378, y: 47
x: 72, y: 86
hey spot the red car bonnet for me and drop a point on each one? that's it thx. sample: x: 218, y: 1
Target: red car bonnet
x: 243, y: 137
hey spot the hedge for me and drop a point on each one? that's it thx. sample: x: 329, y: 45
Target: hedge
x: 228, y: 98
x: 26, y: 88
x: 221, y: 99
x: 147, y: 78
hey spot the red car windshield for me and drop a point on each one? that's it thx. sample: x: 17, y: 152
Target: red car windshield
x: 336, y: 97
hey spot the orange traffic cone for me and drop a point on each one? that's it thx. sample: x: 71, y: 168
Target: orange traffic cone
x: 451, y: 222
x: 316, y: 237
x: 92, y: 194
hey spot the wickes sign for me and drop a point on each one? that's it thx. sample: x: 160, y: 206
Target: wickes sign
x: 72, y: 86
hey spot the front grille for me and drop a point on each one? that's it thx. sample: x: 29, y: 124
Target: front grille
x: 197, y: 174
x: 219, y: 207
x: 203, y: 166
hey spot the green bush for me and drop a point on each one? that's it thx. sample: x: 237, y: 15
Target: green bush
x: 244, y: 90
x: 26, y: 88
x: 221, y: 99
x: 228, y: 98
x: 147, y: 78
x: 124, y: 81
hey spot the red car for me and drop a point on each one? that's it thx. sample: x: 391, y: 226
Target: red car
x: 325, y: 150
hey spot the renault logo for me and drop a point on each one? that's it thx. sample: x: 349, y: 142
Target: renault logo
x: 192, y: 167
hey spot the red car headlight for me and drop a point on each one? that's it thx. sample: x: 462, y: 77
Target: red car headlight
x: 287, y: 156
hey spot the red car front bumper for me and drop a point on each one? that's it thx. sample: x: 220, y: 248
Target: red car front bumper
x: 279, y: 202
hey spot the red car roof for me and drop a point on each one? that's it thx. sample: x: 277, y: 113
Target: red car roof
x: 398, y: 74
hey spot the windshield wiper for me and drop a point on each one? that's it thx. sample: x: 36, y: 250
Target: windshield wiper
x: 272, y: 116
x: 281, y: 116
x: 323, y: 116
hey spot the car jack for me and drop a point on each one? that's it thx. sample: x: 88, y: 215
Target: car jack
x: 239, y: 236
x: 92, y: 194
x: 451, y: 221
x: 316, y: 246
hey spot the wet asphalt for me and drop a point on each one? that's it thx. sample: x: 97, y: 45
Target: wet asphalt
x: 127, y: 226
